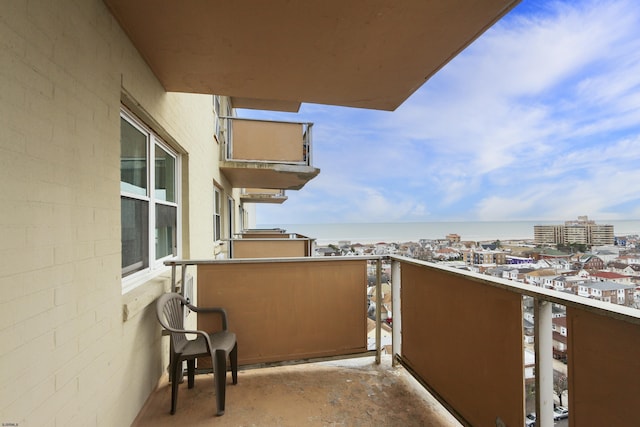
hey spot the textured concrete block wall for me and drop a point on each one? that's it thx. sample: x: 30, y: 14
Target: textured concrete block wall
x: 67, y: 356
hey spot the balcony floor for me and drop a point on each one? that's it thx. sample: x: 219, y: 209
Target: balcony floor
x: 353, y: 392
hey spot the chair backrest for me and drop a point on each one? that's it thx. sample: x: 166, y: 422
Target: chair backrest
x: 170, y: 312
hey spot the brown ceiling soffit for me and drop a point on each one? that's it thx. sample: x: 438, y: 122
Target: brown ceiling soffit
x: 358, y: 53
x: 265, y: 104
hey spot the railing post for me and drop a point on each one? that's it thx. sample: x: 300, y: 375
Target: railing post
x: 309, y: 145
x: 378, y: 308
x: 173, y: 277
x: 396, y: 320
x: 544, y: 362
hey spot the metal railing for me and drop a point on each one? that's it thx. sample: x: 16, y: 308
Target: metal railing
x: 267, y: 141
x: 459, y: 333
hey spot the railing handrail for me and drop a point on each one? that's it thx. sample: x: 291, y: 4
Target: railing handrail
x: 180, y: 262
x: 267, y: 120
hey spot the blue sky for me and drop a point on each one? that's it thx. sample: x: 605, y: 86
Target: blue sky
x: 538, y: 119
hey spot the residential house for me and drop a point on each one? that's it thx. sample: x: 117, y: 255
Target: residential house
x: 559, y: 328
x: 624, y: 269
x: 590, y: 262
x: 630, y: 258
x: 543, y: 278
x: 609, y: 276
x: 567, y: 283
x: 615, y: 293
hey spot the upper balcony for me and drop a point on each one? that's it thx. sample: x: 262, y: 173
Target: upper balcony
x: 267, y: 154
x: 274, y: 243
x: 277, y: 54
x: 459, y: 334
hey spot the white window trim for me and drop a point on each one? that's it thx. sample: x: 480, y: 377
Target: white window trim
x: 217, y: 106
x: 217, y: 214
x: 156, y: 266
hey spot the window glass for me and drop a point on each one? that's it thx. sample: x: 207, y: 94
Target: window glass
x: 165, y: 185
x: 134, y: 215
x: 133, y: 159
x: 166, y: 226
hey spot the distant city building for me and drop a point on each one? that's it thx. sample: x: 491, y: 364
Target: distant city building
x: 478, y: 257
x: 453, y: 238
x: 581, y: 231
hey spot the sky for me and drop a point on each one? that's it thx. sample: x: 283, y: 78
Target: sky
x: 538, y: 119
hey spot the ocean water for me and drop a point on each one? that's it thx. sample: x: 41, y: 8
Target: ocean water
x: 413, y: 231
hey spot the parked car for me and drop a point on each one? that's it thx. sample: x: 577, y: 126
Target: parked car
x: 560, y: 413
x: 530, y: 419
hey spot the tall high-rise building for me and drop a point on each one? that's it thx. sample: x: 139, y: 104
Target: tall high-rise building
x: 582, y: 231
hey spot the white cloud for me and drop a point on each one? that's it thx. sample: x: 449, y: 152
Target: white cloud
x: 539, y: 118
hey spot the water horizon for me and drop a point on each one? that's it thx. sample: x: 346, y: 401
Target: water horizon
x: 394, y: 232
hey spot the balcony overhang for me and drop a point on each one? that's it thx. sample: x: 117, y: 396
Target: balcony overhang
x: 267, y: 175
x: 278, y: 54
x: 262, y: 195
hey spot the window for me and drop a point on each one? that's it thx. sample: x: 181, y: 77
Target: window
x: 216, y: 111
x: 217, y: 230
x: 148, y: 199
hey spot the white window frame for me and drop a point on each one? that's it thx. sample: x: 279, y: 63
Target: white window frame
x: 156, y: 266
x: 217, y: 214
x: 216, y: 111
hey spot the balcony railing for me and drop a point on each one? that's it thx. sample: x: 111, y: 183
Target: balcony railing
x: 272, y: 246
x: 267, y: 154
x: 459, y: 333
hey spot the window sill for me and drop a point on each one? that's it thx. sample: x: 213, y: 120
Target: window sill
x: 138, y: 299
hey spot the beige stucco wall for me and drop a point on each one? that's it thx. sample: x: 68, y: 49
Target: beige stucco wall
x: 67, y: 356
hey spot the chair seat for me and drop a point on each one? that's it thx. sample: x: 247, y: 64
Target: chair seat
x: 223, y: 340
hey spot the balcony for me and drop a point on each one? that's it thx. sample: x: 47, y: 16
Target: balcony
x: 262, y: 195
x: 271, y: 244
x: 267, y: 154
x: 459, y: 334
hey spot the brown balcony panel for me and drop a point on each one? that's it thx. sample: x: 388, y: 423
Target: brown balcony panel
x: 267, y: 141
x: 289, y: 310
x: 261, y: 235
x: 277, y: 247
x: 604, y: 364
x: 465, y: 341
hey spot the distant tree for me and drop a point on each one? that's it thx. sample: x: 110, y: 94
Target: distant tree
x: 560, y: 384
x: 573, y: 248
x: 497, y: 244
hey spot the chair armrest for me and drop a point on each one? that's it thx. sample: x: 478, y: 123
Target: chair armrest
x: 204, y: 334
x: 220, y: 310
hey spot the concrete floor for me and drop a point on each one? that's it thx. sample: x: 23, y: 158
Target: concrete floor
x: 354, y: 392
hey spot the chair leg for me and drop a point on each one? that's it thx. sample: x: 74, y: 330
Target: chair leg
x: 177, y: 366
x: 220, y: 374
x: 191, y: 368
x: 233, y: 359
